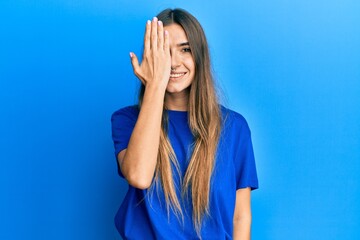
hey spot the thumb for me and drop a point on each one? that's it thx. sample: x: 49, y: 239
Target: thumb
x: 134, y: 62
x: 136, y: 66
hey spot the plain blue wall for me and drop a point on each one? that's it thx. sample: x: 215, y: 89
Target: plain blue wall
x: 292, y: 68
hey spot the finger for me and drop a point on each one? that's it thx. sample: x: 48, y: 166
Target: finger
x: 160, y: 30
x: 166, y: 42
x: 147, y: 37
x: 134, y: 62
x: 154, y: 33
x: 136, y: 66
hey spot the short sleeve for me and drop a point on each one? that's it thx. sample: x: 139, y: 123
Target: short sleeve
x: 122, y: 124
x: 245, y: 168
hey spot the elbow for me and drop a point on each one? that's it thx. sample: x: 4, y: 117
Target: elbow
x: 137, y: 181
x: 137, y: 175
x: 243, y: 220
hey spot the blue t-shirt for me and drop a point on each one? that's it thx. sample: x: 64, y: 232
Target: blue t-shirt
x: 144, y: 217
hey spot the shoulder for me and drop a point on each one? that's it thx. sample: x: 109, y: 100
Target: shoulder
x: 233, y: 120
x: 129, y: 112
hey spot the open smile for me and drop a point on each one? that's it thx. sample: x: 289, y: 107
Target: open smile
x: 174, y: 75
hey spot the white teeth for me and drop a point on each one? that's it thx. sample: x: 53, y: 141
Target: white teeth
x: 176, y: 75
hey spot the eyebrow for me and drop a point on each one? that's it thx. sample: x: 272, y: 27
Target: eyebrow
x: 183, y: 44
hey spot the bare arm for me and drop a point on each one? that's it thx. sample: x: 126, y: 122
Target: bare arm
x: 242, y: 215
x: 138, y: 161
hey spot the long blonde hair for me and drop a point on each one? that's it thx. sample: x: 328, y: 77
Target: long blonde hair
x: 204, y: 119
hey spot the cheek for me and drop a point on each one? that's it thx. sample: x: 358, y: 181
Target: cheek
x: 190, y: 65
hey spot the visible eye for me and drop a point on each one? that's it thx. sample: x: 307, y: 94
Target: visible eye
x: 186, y: 50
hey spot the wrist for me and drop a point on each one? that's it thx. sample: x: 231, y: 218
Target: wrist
x: 156, y: 87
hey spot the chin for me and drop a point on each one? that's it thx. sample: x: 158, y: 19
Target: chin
x: 173, y: 89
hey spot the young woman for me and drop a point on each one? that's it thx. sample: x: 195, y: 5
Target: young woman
x: 188, y: 160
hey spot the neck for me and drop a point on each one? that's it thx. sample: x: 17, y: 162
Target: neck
x: 177, y: 101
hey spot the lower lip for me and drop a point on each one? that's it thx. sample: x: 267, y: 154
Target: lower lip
x: 177, y: 78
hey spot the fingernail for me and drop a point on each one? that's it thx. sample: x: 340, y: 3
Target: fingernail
x: 131, y: 54
x: 166, y: 32
x: 159, y: 23
x: 155, y: 19
x: 148, y: 22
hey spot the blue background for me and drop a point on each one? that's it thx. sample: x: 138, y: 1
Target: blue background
x: 292, y: 68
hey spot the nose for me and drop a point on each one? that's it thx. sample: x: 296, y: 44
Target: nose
x: 175, y: 60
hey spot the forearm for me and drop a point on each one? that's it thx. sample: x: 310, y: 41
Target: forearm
x: 140, y: 159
